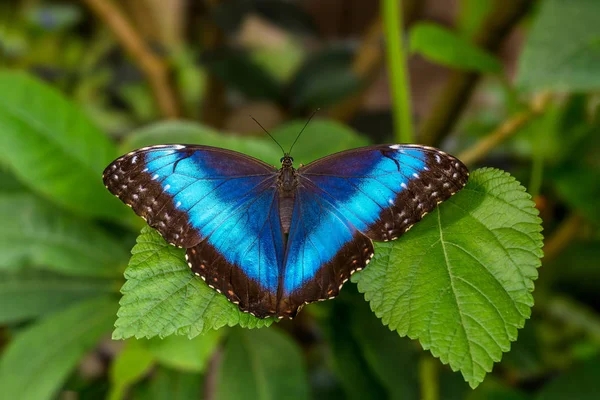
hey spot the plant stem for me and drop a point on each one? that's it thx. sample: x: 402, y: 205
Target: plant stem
x: 428, y: 377
x: 396, y: 61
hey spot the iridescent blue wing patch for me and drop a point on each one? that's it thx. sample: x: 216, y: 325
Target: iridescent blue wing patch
x: 219, y: 204
x: 350, y: 198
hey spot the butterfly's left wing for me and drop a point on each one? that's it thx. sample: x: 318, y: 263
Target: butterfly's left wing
x: 222, y: 206
x: 350, y: 198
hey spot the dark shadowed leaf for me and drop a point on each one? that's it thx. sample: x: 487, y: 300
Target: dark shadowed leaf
x: 236, y: 69
x: 580, y: 383
x: 324, y: 79
x: 262, y: 364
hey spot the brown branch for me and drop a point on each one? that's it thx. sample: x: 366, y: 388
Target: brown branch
x: 562, y: 236
x: 505, y: 130
x: 154, y: 68
x: 456, y: 93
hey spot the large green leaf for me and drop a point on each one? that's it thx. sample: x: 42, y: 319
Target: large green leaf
x: 186, y: 132
x: 562, y: 51
x: 29, y: 294
x: 40, y: 358
x: 445, y: 47
x: 52, y: 147
x: 320, y: 138
x: 460, y: 281
x: 34, y: 232
x: 261, y: 364
x: 162, y: 297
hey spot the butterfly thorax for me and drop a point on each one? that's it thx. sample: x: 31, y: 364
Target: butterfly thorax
x: 287, y: 182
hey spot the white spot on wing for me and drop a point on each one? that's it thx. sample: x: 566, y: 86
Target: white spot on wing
x: 178, y: 204
x: 395, y: 146
x: 155, y: 177
x: 403, y: 185
x: 167, y: 187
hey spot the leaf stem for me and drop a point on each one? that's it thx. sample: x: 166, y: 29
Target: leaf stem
x: 428, y: 377
x: 396, y: 62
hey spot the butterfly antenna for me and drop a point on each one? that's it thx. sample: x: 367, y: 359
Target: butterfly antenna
x: 267, y: 132
x: 305, y: 125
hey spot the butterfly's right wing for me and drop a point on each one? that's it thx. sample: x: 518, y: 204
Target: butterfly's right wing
x: 219, y: 204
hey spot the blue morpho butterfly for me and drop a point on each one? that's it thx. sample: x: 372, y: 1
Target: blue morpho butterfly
x: 270, y: 239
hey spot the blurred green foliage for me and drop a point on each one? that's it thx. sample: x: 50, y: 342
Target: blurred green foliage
x: 71, y: 100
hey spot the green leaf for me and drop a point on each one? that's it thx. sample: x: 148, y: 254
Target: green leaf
x: 182, y: 353
x: 185, y: 132
x: 320, y: 138
x: 349, y: 363
x: 461, y: 280
x: 471, y: 15
x: 237, y: 70
x: 168, y: 384
x: 324, y: 79
x: 580, y: 383
x: 162, y: 297
x: 130, y: 365
x: 28, y: 294
x: 445, y: 47
x: 391, y: 358
x: 36, y: 233
x: 562, y: 51
x: 53, y: 148
x: 261, y: 364
x: 39, y: 359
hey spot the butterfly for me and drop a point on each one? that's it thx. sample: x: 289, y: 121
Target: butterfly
x: 272, y: 240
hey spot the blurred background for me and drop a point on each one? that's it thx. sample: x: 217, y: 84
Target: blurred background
x: 512, y: 84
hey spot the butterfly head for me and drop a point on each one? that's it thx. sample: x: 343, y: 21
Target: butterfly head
x: 286, y: 161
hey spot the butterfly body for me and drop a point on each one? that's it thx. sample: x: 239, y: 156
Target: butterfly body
x: 270, y: 239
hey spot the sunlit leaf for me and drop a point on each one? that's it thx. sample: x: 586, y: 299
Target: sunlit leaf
x: 36, y: 233
x: 130, y: 365
x: 562, y: 51
x: 445, y: 47
x: 29, y: 294
x: 52, y: 147
x: 170, y: 384
x: 461, y: 280
x: 182, y: 353
x: 261, y: 364
x: 186, y: 132
x: 320, y: 138
x: 162, y: 297
x: 39, y: 359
